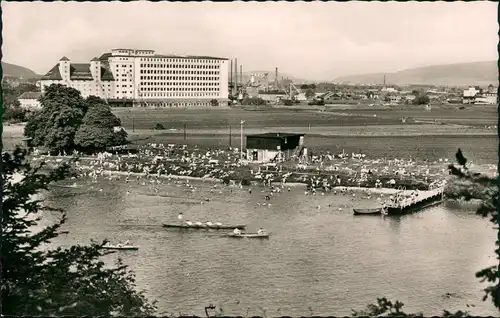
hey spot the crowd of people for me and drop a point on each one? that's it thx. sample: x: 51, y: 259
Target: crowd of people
x: 322, y: 172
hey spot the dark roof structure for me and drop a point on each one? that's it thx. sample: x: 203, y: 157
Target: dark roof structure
x: 53, y: 74
x: 30, y: 95
x: 105, y: 56
x: 274, y: 141
x: 64, y: 58
x: 79, y: 72
x: 275, y: 135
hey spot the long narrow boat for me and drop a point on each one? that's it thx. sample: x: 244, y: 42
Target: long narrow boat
x: 120, y: 247
x: 373, y: 211
x: 249, y: 235
x: 204, y: 226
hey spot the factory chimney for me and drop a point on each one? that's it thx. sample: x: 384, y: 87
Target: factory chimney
x: 236, y: 75
x: 241, y: 74
x: 276, y: 79
x: 231, y: 74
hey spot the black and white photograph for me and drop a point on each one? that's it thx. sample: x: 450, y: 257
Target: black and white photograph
x: 250, y: 159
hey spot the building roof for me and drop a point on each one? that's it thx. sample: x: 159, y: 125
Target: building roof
x: 30, y: 95
x: 105, y: 56
x: 194, y: 57
x: 79, y: 72
x: 275, y: 135
x: 64, y: 58
x: 94, y: 59
x: 53, y: 74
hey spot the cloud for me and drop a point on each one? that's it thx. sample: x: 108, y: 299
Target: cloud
x: 319, y: 40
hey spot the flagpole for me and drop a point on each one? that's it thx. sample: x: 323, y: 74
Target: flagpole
x: 241, y: 139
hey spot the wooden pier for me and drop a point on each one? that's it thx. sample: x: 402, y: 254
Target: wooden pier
x: 422, y: 200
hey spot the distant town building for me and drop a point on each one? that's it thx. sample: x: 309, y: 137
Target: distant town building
x: 410, y: 98
x: 272, y: 96
x: 145, y: 78
x: 476, y: 95
x: 469, y: 95
x: 29, y: 100
x: 389, y: 90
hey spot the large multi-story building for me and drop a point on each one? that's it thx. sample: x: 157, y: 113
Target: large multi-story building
x: 144, y: 78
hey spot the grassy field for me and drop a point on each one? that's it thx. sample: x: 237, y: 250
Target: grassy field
x: 288, y: 117
x: 222, y: 118
x: 352, y: 129
x: 473, y: 115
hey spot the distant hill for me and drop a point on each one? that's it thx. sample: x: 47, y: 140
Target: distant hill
x: 462, y: 74
x: 18, y: 71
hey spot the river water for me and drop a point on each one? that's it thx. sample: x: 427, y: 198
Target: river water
x: 318, y: 261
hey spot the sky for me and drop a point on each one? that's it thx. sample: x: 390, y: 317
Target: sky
x: 314, y: 40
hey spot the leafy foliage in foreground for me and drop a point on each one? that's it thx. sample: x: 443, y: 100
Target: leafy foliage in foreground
x: 39, y: 281
x: 475, y: 186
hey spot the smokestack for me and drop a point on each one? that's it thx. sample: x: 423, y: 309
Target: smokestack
x: 276, y: 79
x: 384, y: 80
x: 241, y: 74
x: 231, y: 72
x: 236, y: 74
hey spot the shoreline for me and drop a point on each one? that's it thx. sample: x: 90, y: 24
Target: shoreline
x: 216, y: 180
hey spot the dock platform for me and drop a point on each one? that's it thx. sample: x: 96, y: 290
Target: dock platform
x: 422, y: 200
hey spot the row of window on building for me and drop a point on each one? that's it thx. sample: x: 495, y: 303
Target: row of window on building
x: 187, y: 89
x: 178, y: 95
x: 180, y: 78
x: 178, y: 82
x: 178, y: 60
x: 180, y: 66
x: 178, y: 72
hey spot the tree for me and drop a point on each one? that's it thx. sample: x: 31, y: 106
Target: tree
x: 310, y: 93
x: 159, y: 126
x: 40, y: 281
x: 465, y: 185
x: 14, y: 112
x: 421, y: 100
x: 97, y: 130
x: 54, y: 127
x: 214, y: 102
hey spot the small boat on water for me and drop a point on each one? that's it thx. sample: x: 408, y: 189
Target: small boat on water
x: 372, y: 211
x: 120, y: 247
x: 205, y: 226
x: 249, y: 235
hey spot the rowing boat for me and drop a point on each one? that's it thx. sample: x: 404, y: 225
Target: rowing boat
x: 374, y: 211
x: 249, y: 235
x: 205, y: 226
x: 120, y: 247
